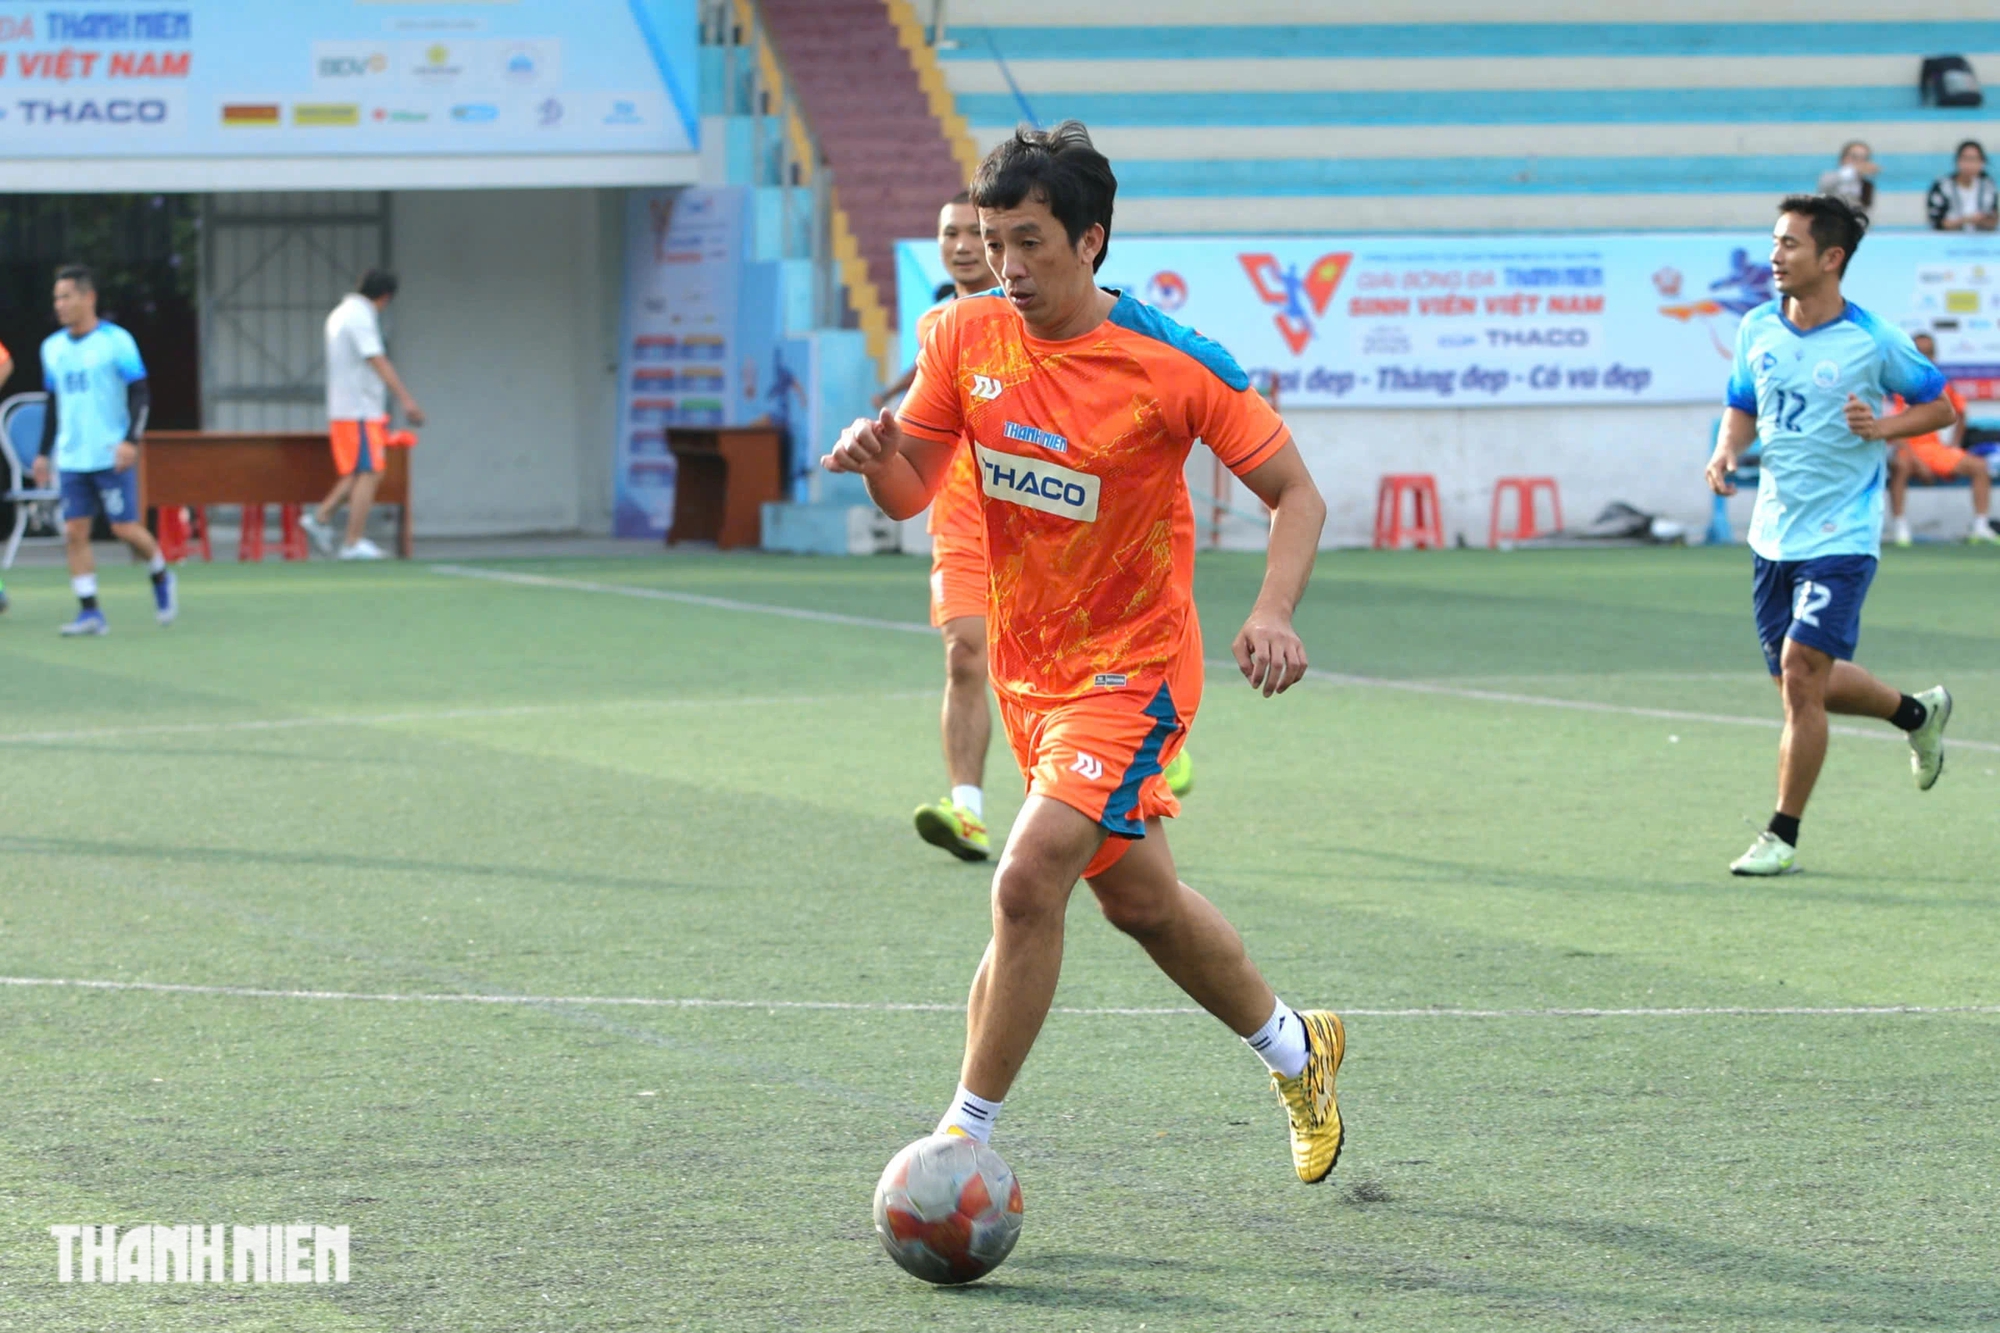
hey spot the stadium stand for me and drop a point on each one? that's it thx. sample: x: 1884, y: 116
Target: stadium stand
x: 891, y: 138
x: 1467, y: 116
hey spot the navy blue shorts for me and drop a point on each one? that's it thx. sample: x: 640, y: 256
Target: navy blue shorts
x: 1817, y: 602
x: 110, y: 492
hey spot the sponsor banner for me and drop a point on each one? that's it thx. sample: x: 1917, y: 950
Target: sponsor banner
x: 584, y: 76
x: 1440, y: 321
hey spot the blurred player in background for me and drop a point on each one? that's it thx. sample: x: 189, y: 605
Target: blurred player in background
x: 1811, y: 370
x: 359, y: 379
x: 98, y: 400
x: 1930, y: 454
x: 6, y: 373
x: 1079, y: 406
x: 957, y: 823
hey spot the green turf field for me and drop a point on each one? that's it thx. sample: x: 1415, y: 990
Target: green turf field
x: 395, y: 781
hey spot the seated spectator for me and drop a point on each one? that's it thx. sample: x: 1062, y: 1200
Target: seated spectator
x: 1965, y: 200
x: 1854, y: 178
x: 1928, y: 459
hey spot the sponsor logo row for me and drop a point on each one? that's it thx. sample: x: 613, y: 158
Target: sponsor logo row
x: 438, y: 65
x: 166, y: 112
x: 577, y: 111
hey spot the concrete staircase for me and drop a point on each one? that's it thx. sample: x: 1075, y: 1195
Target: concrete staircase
x: 889, y: 129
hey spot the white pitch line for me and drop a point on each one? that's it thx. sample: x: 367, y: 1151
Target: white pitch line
x: 1327, y: 677
x: 687, y: 598
x: 446, y: 715
x: 1623, y: 710
x: 888, y: 1006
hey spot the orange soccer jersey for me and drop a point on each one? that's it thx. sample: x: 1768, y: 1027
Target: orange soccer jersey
x: 955, y: 509
x: 1939, y: 459
x: 958, y: 540
x: 1080, y: 448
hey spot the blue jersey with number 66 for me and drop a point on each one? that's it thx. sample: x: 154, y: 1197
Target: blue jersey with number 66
x: 1822, y: 485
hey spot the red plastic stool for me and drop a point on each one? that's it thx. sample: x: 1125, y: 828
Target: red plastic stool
x: 250, y: 542
x: 1526, y: 526
x: 293, y: 534
x: 1426, y: 528
x: 173, y: 535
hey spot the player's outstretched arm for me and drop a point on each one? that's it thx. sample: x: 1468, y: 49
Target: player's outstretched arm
x: 1268, y: 650
x: 1739, y: 428
x: 1936, y: 415
x: 902, y: 472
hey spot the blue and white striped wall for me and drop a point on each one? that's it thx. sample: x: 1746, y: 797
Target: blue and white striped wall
x: 1469, y: 116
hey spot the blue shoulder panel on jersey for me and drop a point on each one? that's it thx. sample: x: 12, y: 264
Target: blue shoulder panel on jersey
x: 1142, y: 319
x: 1906, y: 370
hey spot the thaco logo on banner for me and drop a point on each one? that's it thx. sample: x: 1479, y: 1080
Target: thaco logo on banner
x: 1300, y: 301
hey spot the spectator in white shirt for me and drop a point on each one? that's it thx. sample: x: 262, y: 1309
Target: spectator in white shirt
x: 359, y: 379
x: 1965, y: 200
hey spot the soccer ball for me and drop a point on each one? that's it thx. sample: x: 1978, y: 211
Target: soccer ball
x: 948, y: 1209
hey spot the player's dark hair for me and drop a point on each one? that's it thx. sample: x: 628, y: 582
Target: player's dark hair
x: 1834, y: 222
x: 944, y: 291
x: 377, y: 283
x: 1058, y: 167
x: 1974, y: 145
x: 79, y: 274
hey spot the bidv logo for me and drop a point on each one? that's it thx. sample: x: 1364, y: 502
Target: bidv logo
x: 1766, y: 363
x: 353, y: 67
x: 1036, y: 485
x: 1166, y: 290
x: 1300, y: 300
x: 475, y: 113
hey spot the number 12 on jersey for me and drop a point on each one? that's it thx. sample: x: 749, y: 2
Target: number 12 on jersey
x: 1790, y: 406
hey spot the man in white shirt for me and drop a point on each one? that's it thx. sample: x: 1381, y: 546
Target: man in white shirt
x: 359, y: 379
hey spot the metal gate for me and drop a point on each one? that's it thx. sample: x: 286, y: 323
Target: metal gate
x: 273, y: 266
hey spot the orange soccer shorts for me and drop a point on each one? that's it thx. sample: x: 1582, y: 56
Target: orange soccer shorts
x: 1936, y: 457
x: 1103, y: 754
x: 359, y: 446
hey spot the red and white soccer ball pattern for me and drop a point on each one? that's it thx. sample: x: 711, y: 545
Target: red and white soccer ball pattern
x: 948, y: 1209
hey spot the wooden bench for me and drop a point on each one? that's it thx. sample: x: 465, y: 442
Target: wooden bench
x: 198, y: 468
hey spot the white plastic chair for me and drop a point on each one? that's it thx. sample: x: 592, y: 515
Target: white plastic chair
x: 21, y: 418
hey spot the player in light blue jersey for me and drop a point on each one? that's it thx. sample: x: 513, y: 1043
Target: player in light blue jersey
x: 98, y: 400
x: 1812, y: 369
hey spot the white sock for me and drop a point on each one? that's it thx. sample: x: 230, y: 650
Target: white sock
x: 1902, y: 527
x: 1980, y: 523
x: 84, y: 585
x: 157, y: 565
x: 971, y: 1113
x: 1281, y: 1042
x: 971, y: 798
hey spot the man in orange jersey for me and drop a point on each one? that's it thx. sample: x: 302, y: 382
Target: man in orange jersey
x: 1931, y: 457
x: 958, y: 580
x: 1080, y: 406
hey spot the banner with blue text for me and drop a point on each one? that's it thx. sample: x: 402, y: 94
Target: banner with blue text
x: 284, y: 78
x: 1517, y: 320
